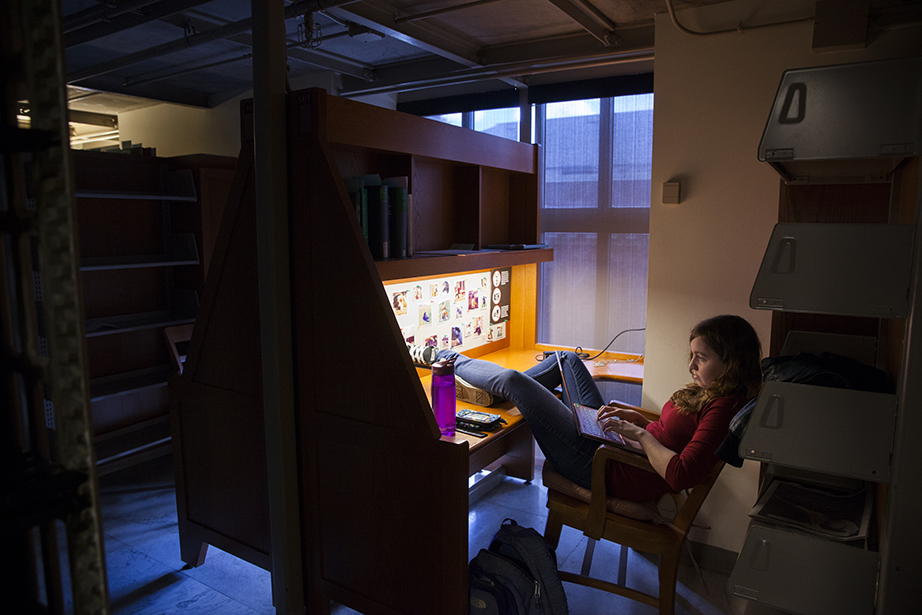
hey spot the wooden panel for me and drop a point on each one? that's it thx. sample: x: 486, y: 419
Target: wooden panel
x: 122, y: 411
x: 94, y: 171
x: 124, y: 291
x: 224, y: 457
x: 495, y: 217
x: 134, y: 350
x: 109, y: 227
x: 228, y: 321
x: 435, y: 186
x: 213, y: 176
x: 354, y: 123
x: 370, y: 449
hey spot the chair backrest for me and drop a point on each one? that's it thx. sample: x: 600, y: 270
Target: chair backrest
x: 177, y: 339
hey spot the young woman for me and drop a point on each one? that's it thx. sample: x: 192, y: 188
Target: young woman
x: 725, y: 356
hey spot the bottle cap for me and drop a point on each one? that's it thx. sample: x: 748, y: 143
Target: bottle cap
x: 443, y: 368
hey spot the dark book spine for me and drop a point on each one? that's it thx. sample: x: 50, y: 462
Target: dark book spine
x: 398, y: 222
x: 378, y: 227
x: 363, y: 212
x: 360, y: 203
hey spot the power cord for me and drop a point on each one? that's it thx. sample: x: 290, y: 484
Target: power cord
x: 610, y: 343
x: 585, y: 355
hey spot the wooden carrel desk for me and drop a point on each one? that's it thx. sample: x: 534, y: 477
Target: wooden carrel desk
x: 513, y: 446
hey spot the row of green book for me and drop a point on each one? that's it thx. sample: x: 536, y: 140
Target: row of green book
x: 382, y: 207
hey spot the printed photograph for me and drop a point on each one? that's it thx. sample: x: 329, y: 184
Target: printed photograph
x: 425, y: 315
x: 445, y: 310
x: 400, y: 303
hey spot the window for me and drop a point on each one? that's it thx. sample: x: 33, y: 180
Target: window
x: 596, y: 215
x: 500, y: 122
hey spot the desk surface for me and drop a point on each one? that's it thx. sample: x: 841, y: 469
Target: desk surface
x: 610, y: 366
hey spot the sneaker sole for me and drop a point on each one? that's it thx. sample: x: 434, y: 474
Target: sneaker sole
x: 467, y: 392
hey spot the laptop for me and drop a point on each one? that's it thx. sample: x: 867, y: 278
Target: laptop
x: 587, y: 419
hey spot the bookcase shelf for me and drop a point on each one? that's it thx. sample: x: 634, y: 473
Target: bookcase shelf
x: 424, y: 266
x: 127, y: 382
x: 180, y: 250
x: 124, y: 323
x: 466, y: 187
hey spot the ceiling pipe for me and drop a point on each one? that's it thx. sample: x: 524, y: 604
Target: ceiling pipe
x: 222, y: 32
x: 507, y: 70
x: 739, y: 28
x: 103, y: 12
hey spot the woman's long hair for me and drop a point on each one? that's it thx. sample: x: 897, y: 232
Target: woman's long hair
x: 734, y: 340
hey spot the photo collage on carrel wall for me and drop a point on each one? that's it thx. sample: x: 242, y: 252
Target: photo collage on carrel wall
x: 457, y: 312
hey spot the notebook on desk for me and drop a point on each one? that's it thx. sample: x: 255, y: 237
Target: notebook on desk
x: 587, y: 419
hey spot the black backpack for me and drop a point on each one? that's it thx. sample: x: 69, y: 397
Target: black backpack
x: 517, y: 575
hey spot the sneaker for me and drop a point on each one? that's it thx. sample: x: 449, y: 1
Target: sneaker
x: 465, y: 391
x: 423, y: 356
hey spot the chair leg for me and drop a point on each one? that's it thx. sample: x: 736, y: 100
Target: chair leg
x: 552, y: 528
x: 587, y: 557
x: 668, y: 573
x: 622, y: 567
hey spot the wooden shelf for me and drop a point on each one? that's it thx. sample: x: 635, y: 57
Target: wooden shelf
x: 185, y: 306
x: 127, y: 382
x: 182, y: 251
x: 176, y: 186
x: 422, y: 266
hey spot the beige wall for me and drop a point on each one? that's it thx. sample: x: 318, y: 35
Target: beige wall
x: 177, y: 130
x: 712, y: 98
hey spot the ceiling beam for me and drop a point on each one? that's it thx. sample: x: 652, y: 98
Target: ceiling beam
x: 86, y: 26
x: 193, y: 40
x: 380, y: 16
x: 517, y: 70
x: 591, y: 19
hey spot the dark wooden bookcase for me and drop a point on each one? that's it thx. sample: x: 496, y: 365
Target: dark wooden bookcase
x: 141, y: 260
x: 383, y: 499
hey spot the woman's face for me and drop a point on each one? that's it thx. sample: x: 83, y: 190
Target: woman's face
x: 705, y: 366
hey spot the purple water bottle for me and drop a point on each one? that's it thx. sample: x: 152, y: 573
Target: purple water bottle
x: 443, y: 396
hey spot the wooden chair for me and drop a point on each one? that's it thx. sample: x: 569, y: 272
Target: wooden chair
x: 633, y: 525
x: 177, y: 340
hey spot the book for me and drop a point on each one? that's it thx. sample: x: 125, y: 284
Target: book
x: 358, y: 194
x: 409, y: 224
x: 397, y: 215
x: 378, y: 222
x: 830, y: 514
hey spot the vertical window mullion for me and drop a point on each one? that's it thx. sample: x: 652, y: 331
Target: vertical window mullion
x: 603, y: 245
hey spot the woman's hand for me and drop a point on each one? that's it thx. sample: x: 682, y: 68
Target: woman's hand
x: 622, y: 426
x: 631, y: 416
x: 631, y: 424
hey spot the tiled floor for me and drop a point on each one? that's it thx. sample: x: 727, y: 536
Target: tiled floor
x: 146, y: 575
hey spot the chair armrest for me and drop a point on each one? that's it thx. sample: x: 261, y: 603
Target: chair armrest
x: 650, y: 415
x: 598, y: 503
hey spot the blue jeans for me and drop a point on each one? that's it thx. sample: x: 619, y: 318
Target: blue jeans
x: 550, y: 420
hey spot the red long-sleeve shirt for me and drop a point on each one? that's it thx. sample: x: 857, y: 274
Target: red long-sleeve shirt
x: 694, y: 439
